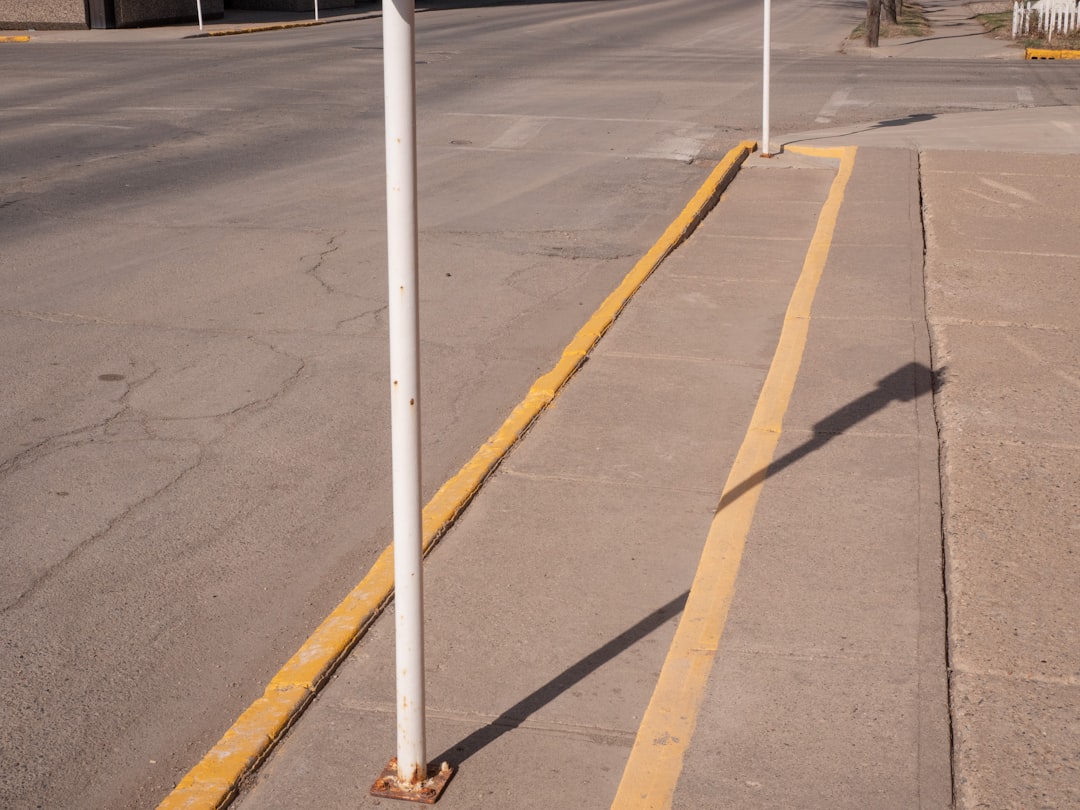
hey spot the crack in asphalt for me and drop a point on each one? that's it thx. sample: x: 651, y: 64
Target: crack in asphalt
x: 82, y: 546
x: 35, y: 452
x: 100, y: 431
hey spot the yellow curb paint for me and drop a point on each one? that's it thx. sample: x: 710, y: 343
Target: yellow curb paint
x: 1048, y: 53
x: 656, y: 760
x: 212, y: 783
x: 19, y: 38
x: 255, y: 29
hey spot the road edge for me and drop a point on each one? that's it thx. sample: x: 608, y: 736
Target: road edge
x: 215, y: 781
x: 284, y: 26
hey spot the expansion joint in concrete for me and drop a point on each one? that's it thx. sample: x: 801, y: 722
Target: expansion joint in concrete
x: 943, y: 482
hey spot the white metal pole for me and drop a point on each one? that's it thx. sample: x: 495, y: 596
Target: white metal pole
x: 765, y: 75
x: 198, y: 8
x: 316, y: 9
x: 401, y: 207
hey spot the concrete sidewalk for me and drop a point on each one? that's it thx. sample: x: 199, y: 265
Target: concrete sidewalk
x: 857, y: 667
x: 955, y: 33
x: 1003, y: 281
x: 553, y: 602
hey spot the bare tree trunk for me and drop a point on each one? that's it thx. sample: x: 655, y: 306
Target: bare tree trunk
x: 873, y: 22
x: 892, y: 11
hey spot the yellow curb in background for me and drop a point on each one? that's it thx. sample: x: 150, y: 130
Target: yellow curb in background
x: 1047, y: 53
x: 19, y: 38
x: 255, y: 29
x: 285, y: 26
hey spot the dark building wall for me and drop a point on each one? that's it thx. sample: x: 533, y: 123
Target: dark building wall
x: 287, y: 5
x: 45, y: 14
x: 131, y: 13
x: 21, y: 14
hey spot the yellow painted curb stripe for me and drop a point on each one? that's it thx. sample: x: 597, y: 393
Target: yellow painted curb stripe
x: 656, y: 760
x: 1048, y: 53
x: 255, y: 29
x: 213, y: 782
x: 19, y: 38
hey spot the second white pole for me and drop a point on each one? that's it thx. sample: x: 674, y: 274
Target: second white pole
x: 766, y: 71
x: 403, y: 273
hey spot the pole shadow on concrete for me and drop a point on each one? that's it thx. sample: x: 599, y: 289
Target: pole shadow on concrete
x: 914, y: 118
x: 517, y: 714
x: 906, y: 384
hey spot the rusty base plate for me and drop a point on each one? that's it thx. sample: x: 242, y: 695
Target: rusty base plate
x: 426, y: 792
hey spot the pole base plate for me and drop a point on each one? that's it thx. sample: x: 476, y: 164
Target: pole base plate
x: 426, y: 791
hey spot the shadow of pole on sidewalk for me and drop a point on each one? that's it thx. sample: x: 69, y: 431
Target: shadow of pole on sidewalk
x: 914, y: 118
x: 906, y: 384
x: 518, y: 713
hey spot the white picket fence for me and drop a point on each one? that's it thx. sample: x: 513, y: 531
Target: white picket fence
x: 1046, y: 16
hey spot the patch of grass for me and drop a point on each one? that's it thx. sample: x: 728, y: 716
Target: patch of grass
x: 1060, y: 42
x: 998, y: 24
x: 911, y: 22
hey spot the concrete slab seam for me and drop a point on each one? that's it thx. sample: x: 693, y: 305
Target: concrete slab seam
x: 935, y: 758
x: 214, y: 781
x: 655, y: 763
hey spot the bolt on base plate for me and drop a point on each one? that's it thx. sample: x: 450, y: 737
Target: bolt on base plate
x: 427, y: 791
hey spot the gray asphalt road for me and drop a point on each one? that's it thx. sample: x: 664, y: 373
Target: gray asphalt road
x: 193, y: 423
